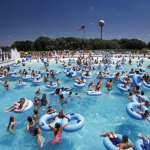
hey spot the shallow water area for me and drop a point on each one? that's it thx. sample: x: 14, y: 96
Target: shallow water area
x: 107, y: 111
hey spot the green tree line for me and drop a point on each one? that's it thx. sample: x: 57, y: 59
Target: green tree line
x: 45, y: 43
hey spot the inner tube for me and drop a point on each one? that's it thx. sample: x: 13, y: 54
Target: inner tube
x: 45, y: 62
x: 121, y: 88
x: 110, y: 146
x: 85, y: 77
x: 15, y: 76
x: 11, y: 72
x: 19, y: 84
x: 27, y: 77
x: 139, y: 66
x: 146, y: 84
x: 79, y: 85
x: 63, y: 92
x: 36, y: 76
x: 122, y: 78
x: 120, y: 67
x: 62, y: 121
x: 131, y: 74
x: 2, y: 77
x: 141, y: 61
x: 78, y: 81
x: 137, y: 80
x: 130, y: 110
x: 73, y: 127
x: 106, y: 65
x: 73, y: 74
x: 0, y: 82
x: 134, y: 98
x: 52, y: 86
x: 30, y: 104
x: 139, y: 145
x: 105, y: 71
x: 39, y: 81
x: 44, y: 119
x: 16, y: 65
x: 68, y: 67
x: 110, y: 77
x: 148, y: 67
x: 94, y: 93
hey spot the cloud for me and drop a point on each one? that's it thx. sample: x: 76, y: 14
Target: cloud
x: 13, y: 34
x: 111, y: 36
x: 149, y: 35
x: 44, y: 35
x: 120, y: 36
x: 103, y: 33
x: 60, y: 33
x: 52, y: 35
x: 8, y: 36
x: 91, y: 23
x: 92, y: 8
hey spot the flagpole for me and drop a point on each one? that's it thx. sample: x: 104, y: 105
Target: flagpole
x: 84, y: 32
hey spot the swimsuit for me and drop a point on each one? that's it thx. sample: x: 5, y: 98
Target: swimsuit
x: 57, y: 138
x: 43, y: 102
x: 146, y: 145
x: 115, y: 141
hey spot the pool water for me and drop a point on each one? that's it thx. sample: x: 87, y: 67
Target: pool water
x: 107, y: 111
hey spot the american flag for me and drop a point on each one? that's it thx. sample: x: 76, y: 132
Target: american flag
x: 81, y: 28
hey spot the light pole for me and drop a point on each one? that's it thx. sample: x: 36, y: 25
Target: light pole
x: 101, y: 24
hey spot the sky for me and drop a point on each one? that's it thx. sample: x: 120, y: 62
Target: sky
x: 29, y: 19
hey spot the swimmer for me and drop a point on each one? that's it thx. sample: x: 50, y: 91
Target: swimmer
x: 38, y: 92
x: 36, y: 102
x: 36, y: 115
x: 77, y: 95
x: 11, y: 124
x: 58, y: 82
x: 51, y: 110
x: 115, y: 141
x: 30, y: 125
x: 18, y: 106
x: 6, y: 85
x: 44, y: 101
x: 62, y: 115
x: 130, y: 94
x: 57, y: 132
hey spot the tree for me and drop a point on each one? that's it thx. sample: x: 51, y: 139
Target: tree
x: 41, y: 43
x: 148, y: 45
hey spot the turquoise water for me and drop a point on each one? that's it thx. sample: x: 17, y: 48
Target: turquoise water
x: 107, y: 111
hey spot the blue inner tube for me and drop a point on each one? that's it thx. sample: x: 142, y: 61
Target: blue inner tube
x: 110, y: 146
x: 73, y: 127
x: 146, y: 84
x: 73, y: 74
x: 2, y: 77
x: 36, y: 76
x: 68, y: 67
x: 131, y: 74
x: 139, y: 145
x: 78, y: 81
x: 0, y: 82
x: 106, y: 65
x: 12, y: 72
x: 134, y: 98
x: 141, y: 61
x: 139, y: 66
x: 39, y: 81
x: 16, y: 65
x: 95, y: 93
x: 45, y: 62
x: 110, y: 77
x: 30, y: 104
x: 62, y: 121
x: 85, y: 77
x: 137, y: 80
x: 120, y: 67
x: 79, y: 85
x: 130, y: 110
x: 15, y: 76
x: 148, y: 67
x: 105, y: 71
x: 19, y: 84
x: 52, y: 86
x: 121, y: 88
x: 122, y: 78
x: 27, y: 77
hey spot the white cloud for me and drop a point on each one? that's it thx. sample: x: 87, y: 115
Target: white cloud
x: 52, y: 35
x: 91, y: 23
x: 60, y: 33
x: 92, y: 8
x: 120, y: 36
x: 149, y: 35
x: 8, y: 36
x: 13, y: 34
x: 44, y: 35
